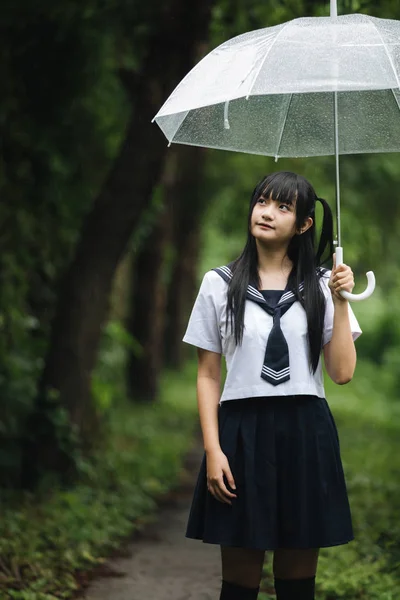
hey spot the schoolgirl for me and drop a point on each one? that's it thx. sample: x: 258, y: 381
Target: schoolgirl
x: 271, y: 476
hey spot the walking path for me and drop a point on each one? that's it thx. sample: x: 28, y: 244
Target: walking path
x: 161, y: 563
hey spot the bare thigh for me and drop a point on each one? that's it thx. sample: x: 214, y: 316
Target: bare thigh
x: 295, y: 563
x: 242, y: 566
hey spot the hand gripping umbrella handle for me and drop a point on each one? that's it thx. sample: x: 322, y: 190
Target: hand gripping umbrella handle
x: 370, y: 277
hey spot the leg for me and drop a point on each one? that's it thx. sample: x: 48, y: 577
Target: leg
x: 241, y: 573
x: 295, y: 571
x: 295, y: 563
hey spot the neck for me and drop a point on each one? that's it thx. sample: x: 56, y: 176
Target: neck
x: 273, y: 260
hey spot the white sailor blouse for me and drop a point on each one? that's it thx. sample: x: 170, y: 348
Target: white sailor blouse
x: 274, y: 358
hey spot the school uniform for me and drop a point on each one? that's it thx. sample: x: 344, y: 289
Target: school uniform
x: 275, y: 426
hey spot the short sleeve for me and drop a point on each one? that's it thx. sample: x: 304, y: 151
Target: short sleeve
x: 329, y: 312
x: 203, y: 329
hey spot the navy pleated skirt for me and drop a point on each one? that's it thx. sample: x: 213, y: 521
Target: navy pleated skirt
x: 285, y: 459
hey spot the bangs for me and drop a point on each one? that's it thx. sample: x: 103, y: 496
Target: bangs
x: 280, y: 187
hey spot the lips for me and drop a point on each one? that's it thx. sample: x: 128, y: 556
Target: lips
x: 265, y: 226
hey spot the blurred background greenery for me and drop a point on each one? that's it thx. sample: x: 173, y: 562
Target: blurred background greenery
x: 105, y: 234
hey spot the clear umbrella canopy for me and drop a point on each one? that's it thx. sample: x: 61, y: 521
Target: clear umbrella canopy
x: 272, y: 91
x: 309, y: 87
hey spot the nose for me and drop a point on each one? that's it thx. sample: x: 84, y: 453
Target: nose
x: 268, y: 211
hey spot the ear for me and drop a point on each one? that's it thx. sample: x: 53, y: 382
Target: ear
x: 306, y: 226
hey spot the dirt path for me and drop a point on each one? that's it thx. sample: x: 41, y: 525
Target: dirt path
x: 161, y: 564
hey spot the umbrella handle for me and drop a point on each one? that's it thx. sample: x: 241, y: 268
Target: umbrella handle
x: 370, y: 277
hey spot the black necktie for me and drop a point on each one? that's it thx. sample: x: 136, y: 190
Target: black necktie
x: 276, y: 368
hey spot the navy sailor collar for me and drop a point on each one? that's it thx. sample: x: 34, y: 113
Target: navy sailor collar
x: 252, y: 293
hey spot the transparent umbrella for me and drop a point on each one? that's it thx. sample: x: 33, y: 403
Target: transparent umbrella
x: 309, y: 87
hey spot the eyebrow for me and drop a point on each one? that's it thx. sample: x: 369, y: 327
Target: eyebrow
x: 262, y: 197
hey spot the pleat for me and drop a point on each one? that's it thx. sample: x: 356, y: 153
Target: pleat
x: 265, y: 474
x: 248, y: 490
x: 314, y: 509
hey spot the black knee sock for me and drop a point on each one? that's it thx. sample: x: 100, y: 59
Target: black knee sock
x: 295, y: 589
x: 232, y: 591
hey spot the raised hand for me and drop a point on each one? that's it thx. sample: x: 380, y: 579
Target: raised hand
x: 342, y: 278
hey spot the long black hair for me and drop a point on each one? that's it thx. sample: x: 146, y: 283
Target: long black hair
x: 288, y: 188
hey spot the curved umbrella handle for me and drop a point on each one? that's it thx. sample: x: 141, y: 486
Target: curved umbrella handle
x: 370, y: 278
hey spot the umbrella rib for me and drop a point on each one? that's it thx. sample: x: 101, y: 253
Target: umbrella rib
x: 396, y: 99
x: 283, y: 127
x: 265, y: 58
x: 387, y: 52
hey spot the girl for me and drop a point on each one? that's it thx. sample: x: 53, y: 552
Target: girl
x: 271, y: 476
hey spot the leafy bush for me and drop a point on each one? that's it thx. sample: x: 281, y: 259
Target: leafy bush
x: 20, y: 365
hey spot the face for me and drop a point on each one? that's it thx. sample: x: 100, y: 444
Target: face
x: 272, y: 221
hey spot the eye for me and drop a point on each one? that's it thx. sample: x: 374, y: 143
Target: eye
x: 261, y: 201
x: 284, y: 206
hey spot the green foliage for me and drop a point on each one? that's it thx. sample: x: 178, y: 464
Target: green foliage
x: 20, y: 365
x: 380, y: 320
x: 108, y: 382
x: 62, y: 119
x: 62, y: 116
x: 45, y: 540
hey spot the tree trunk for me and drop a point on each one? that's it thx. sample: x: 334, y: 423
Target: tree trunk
x: 158, y: 330
x: 146, y: 321
x: 189, y: 202
x: 84, y: 294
